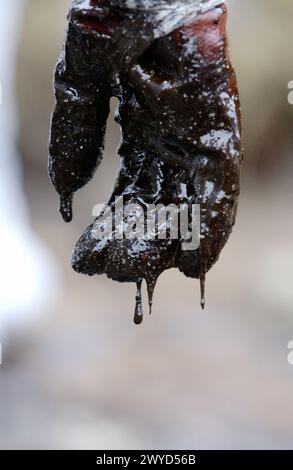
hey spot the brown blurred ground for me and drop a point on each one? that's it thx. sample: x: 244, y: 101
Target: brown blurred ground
x: 87, y: 377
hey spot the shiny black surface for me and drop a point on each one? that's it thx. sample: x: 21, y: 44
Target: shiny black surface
x: 180, y: 121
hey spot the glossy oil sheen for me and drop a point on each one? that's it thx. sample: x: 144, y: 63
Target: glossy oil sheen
x: 180, y: 118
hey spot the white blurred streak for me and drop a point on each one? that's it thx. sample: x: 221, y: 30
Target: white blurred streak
x: 26, y: 268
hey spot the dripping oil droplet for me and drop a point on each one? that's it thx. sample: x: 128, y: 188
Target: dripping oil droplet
x: 138, y: 313
x: 202, y: 290
x: 151, y: 284
x: 66, y: 207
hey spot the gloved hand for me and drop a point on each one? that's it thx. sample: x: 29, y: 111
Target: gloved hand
x: 179, y: 114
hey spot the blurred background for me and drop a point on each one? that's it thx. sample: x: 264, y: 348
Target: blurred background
x: 76, y: 373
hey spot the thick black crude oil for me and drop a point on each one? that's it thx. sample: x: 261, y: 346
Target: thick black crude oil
x: 168, y: 64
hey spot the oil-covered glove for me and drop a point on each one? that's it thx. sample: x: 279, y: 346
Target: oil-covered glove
x: 168, y: 64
